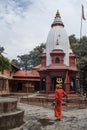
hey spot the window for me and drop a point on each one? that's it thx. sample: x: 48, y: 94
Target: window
x: 2, y: 84
x: 57, y: 60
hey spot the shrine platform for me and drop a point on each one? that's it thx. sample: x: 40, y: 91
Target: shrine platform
x: 46, y: 100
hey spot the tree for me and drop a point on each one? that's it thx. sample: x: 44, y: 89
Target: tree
x: 24, y: 61
x: 27, y: 61
x: 15, y: 62
x: 35, y: 55
x: 72, y: 39
x: 1, y: 50
x: 74, y: 43
x: 79, y: 47
x: 83, y: 61
x: 4, y: 62
x: 4, y: 65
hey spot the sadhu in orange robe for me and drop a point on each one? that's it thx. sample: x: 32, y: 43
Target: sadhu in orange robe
x: 59, y: 93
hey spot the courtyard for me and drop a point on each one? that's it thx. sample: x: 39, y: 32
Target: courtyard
x: 40, y: 118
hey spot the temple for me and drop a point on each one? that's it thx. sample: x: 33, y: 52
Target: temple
x: 58, y: 61
x: 58, y: 67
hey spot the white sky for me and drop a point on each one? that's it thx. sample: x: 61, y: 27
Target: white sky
x: 24, y: 24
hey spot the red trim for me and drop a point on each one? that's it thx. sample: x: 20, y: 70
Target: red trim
x: 57, y: 24
x: 22, y: 79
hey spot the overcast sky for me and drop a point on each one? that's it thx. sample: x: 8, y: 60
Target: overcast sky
x: 24, y: 24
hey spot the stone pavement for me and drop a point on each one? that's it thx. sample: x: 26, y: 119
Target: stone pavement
x: 40, y: 118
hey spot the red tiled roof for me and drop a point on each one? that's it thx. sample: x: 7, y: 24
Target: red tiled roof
x: 43, y: 68
x: 25, y: 79
x: 73, y: 68
x: 21, y: 73
x: 54, y: 67
x: 37, y: 67
x: 63, y: 67
x: 16, y: 67
x: 57, y: 66
x: 60, y: 51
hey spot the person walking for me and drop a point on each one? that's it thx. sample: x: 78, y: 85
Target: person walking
x: 59, y: 94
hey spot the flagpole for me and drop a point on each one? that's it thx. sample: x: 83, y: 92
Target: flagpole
x: 82, y: 18
x: 81, y: 26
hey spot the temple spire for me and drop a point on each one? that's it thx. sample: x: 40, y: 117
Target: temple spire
x: 57, y: 20
x: 57, y: 14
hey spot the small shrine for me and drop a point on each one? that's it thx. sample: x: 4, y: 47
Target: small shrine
x: 58, y: 62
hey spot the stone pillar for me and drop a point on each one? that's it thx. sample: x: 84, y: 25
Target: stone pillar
x: 7, y: 86
x: 47, y: 83
x: 77, y: 84
x: 67, y: 83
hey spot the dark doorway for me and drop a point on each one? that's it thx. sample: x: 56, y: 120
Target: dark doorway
x: 19, y: 88
x: 37, y: 86
x: 43, y: 84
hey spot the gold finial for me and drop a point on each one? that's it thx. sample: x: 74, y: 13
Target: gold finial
x: 57, y: 14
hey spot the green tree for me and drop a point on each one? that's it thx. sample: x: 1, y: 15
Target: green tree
x: 27, y: 61
x: 1, y: 50
x: 74, y: 43
x: 82, y: 55
x: 79, y: 47
x: 72, y: 39
x: 24, y: 61
x: 35, y: 55
x: 15, y: 62
x: 4, y: 62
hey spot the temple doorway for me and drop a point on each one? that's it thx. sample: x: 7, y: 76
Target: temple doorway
x: 19, y: 88
x: 43, y: 84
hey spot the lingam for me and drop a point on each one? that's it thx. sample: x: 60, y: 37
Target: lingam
x: 10, y: 115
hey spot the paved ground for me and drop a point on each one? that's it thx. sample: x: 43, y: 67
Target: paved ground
x: 40, y: 118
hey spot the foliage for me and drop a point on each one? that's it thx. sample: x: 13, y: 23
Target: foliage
x: 1, y: 50
x: 74, y: 43
x: 16, y: 62
x: 35, y: 55
x: 79, y: 47
x: 23, y: 61
x: 4, y: 62
x: 83, y: 61
x: 27, y: 61
x: 72, y: 39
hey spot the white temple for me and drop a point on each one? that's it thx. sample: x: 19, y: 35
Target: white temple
x: 57, y: 37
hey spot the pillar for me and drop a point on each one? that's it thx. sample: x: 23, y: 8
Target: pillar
x: 47, y: 83
x: 67, y: 83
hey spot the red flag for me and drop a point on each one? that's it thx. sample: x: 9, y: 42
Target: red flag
x: 83, y: 16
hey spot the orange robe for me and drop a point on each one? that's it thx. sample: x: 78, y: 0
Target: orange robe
x: 59, y: 93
